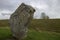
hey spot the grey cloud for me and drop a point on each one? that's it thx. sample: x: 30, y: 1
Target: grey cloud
x: 53, y: 9
x: 11, y: 4
x: 8, y: 4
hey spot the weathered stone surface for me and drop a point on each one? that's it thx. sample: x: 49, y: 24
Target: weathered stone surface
x: 20, y: 20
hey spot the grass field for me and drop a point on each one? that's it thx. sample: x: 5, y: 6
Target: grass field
x: 5, y: 33
x: 52, y: 25
x: 41, y: 24
x: 38, y: 30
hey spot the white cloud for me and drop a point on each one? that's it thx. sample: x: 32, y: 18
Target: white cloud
x: 39, y: 6
x: 5, y: 11
x: 4, y: 17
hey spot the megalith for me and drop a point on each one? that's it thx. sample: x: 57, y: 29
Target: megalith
x: 20, y: 20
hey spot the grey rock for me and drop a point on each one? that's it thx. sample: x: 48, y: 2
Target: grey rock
x: 20, y: 20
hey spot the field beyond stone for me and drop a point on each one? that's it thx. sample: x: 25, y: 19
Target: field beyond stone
x: 38, y: 30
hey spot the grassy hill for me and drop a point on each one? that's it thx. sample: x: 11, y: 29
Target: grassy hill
x: 48, y: 25
x: 40, y: 24
x: 4, y: 23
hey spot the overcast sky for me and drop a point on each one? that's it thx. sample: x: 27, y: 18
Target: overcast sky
x: 50, y: 7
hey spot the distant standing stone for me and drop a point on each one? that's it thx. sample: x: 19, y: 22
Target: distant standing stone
x: 20, y: 19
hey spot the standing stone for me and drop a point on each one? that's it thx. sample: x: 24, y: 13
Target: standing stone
x: 20, y: 19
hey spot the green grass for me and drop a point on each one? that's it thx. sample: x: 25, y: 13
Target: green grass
x: 32, y: 34
x: 4, y: 33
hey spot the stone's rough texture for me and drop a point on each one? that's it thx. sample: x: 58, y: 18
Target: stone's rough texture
x: 20, y: 20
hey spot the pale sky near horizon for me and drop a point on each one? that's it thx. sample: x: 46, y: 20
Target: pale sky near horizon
x: 50, y: 7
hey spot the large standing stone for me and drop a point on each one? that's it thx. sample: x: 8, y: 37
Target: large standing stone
x: 20, y: 19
